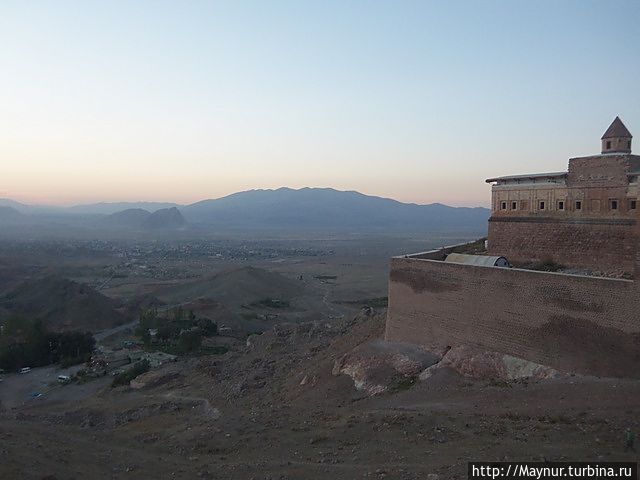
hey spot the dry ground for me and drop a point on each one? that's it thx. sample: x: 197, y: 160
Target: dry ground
x: 274, y: 411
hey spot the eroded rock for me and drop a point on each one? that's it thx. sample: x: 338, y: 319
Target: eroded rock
x: 489, y: 365
x: 376, y: 366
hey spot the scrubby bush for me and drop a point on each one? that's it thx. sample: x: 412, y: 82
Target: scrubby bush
x: 546, y: 265
x: 125, y: 377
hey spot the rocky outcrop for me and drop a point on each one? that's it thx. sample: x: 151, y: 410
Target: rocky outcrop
x: 381, y: 366
x: 378, y: 366
x: 488, y: 365
x: 154, y: 378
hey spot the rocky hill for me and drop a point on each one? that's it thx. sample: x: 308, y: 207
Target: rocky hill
x: 63, y: 305
x: 165, y: 218
x: 140, y: 219
x: 130, y: 218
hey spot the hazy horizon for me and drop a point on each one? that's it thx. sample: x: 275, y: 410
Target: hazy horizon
x: 415, y: 101
x: 161, y: 201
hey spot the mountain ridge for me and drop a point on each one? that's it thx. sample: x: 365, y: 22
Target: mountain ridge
x: 284, y: 208
x: 329, y: 208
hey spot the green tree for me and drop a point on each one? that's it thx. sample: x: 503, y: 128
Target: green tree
x: 190, y: 340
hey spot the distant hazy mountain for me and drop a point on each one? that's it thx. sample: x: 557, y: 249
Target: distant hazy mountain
x: 9, y: 213
x: 107, y: 208
x: 20, y: 207
x: 138, y: 218
x: 326, y: 208
x: 286, y: 209
x: 166, y: 218
x: 31, y: 209
x: 130, y: 218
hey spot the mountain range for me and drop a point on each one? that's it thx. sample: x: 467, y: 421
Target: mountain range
x: 311, y: 209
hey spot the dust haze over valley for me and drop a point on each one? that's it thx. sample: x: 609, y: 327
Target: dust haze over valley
x: 323, y: 252
x: 245, y: 251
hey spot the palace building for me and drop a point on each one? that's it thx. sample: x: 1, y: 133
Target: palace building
x: 583, y: 217
x: 574, y: 320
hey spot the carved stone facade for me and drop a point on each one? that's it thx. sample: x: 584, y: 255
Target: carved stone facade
x: 580, y: 218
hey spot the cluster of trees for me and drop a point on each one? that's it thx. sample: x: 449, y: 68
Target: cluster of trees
x: 178, y: 332
x: 28, y: 343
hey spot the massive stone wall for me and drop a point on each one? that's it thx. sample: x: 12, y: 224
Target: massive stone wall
x: 587, y: 220
x: 588, y: 325
x: 606, y: 246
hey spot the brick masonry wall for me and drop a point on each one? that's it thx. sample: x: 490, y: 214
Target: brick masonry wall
x: 588, y: 325
x: 608, y: 248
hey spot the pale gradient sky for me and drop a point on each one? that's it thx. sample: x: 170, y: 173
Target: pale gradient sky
x: 414, y: 100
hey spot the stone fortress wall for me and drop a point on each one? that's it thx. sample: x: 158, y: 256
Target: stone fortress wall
x: 595, y: 246
x: 584, y: 324
x: 574, y: 323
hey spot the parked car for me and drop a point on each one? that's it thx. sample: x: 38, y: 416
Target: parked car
x: 25, y: 370
x: 64, y: 378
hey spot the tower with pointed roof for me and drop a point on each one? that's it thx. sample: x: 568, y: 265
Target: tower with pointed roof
x: 617, y: 139
x: 583, y: 217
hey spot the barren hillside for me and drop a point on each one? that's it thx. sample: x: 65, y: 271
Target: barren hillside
x: 63, y: 304
x: 235, y: 287
x: 273, y: 409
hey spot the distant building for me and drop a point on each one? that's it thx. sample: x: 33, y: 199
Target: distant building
x: 157, y: 359
x: 583, y: 217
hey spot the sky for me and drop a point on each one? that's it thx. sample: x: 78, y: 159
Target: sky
x: 420, y: 101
